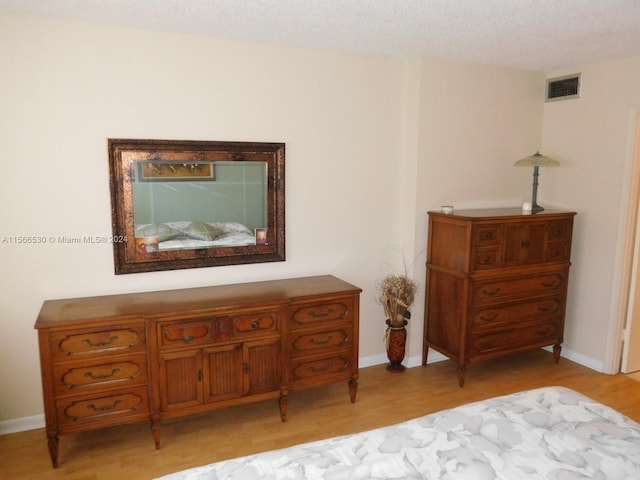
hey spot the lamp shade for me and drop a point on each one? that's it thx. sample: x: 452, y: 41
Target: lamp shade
x: 537, y: 160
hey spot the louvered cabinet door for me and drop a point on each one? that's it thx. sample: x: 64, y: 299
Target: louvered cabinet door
x: 181, y: 379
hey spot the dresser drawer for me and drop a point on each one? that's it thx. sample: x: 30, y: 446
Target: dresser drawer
x: 516, y: 314
x: 558, y: 251
x: 486, y: 258
x: 490, y: 341
x: 318, y: 342
x: 309, y: 315
x: 98, y: 341
x: 256, y: 323
x: 485, y: 235
x: 89, y: 375
x: 108, y: 408
x: 560, y: 229
x: 311, y: 369
x: 498, y: 290
x: 185, y: 332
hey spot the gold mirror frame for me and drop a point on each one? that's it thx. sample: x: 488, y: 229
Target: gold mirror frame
x: 126, y: 158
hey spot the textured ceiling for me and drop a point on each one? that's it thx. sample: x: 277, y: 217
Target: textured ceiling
x: 529, y: 34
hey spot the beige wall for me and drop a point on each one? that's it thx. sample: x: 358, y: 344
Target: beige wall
x: 474, y: 122
x: 372, y: 144
x: 69, y: 86
x: 593, y: 137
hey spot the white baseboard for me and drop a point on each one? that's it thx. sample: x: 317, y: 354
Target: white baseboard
x: 37, y: 421
x: 409, y: 362
x: 580, y: 359
x: 21, y: 424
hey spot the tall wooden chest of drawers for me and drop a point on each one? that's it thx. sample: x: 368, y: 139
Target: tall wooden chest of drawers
x: 118, y: 359
x: 496, y: 283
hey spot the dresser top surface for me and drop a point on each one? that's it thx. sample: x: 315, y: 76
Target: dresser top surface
x: 500, y: 213
x: 137, y: 305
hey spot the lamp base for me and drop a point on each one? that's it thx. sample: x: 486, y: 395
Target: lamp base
x: 535, y: 208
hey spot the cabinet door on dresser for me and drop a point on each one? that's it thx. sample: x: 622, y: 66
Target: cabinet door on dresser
x: 218, y: 358
x: 541, y: 241
x: 181, y: 379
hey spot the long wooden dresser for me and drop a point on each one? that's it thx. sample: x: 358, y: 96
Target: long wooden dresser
x: 118, y: 359
x: 496, y: 283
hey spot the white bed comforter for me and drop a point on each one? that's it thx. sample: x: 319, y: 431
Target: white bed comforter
x: 551, y: 433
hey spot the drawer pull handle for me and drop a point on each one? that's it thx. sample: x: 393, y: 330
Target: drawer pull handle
x: 106, y: 408
x: 492, y: 292
x: 547, y: 309
x: 255, y: 324
x: 552, y: 284
x: 321, y: 369
x: 313, y: 341
x: 543, y: 332
x: 87, y: 341
x: 187, y: 339
x: 313, y: 313
x: 102, y: 376
x: 489, y: 318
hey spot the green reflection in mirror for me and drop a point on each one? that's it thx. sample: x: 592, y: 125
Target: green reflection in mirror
x: 187, y: 205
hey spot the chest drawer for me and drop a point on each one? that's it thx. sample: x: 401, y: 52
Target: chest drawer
x: 102, y: 408
x: 306, y: 343
x: 80, y: 377
x: 508, y: 288
x: 310, y: 315
x: 254, y: 323
x: 312, y: 369
x: 486, y: 258
x: 487, y: 235
x: 98, y: 341
x: 516, y: 314
x: 186, y: 332
x: 491, y: 341
x: 558, y: 251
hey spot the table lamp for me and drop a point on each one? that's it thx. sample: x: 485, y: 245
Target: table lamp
x: 536, y: 160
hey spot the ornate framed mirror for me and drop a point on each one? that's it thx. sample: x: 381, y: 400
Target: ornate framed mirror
x: 189, y: 204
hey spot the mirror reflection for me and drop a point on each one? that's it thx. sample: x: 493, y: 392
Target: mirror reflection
x: 178, y: 205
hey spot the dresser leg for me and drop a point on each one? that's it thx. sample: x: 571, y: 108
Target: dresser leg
x: 557, y: 348
x: 462, y: 373
x: 283, y: 403
x: 53, y: 450
x: 353, y: 389
x: 156, y: 429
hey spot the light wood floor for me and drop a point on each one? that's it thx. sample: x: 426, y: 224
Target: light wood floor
x: 383, y: 398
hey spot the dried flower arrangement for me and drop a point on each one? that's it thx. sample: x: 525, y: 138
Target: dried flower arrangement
x: 397, y: 295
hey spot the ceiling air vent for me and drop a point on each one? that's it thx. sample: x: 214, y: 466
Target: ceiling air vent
x: 562, y: 88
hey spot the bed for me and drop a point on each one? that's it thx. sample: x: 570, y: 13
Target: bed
x: 196, y: 234
x: 548, y: 433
